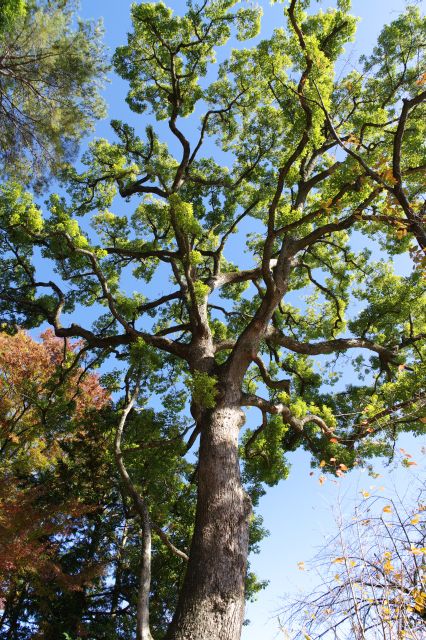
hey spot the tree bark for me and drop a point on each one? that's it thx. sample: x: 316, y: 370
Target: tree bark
x: 211, y: 604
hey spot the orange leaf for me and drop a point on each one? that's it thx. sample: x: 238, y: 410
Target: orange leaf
x: 387, y: 509
x: 334, y: 440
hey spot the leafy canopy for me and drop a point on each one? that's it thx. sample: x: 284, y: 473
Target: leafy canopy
x: 318, y: 176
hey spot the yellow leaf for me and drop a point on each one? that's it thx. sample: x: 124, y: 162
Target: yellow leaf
x: 417, y: 551
x: 415, y: 520
x: 387, y: 509
x: 387, y: 566
x: 14, y: 438
x: 322, y: 463
x: 301, y: 566
x: 365, y: 494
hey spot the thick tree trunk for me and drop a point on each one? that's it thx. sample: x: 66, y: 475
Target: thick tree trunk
x: 211, y: 604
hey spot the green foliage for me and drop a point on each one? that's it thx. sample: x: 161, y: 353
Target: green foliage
x: 11, y: 12
x: 264, y: 457
x: 203, y: 388
x: 185, y: 41
x: 182, y: 213
x: 52, y: 68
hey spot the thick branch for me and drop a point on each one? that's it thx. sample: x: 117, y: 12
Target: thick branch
x: 281, y: 385
x: 329, y: 346
x: 282, y: 410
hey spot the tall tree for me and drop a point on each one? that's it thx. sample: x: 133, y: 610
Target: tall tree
x: 318, y: 165
x: 51, y: 70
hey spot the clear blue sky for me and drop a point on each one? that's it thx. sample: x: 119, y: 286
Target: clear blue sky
x: 297, y: 512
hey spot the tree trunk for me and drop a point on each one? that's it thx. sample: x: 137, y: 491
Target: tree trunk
x: 211, y: 603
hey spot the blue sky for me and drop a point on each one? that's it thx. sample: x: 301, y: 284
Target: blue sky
x: 298, y: 511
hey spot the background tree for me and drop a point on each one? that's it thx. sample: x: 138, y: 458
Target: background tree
x: 373, y: 578
x: 216, y: 339
x: 51, y: 69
